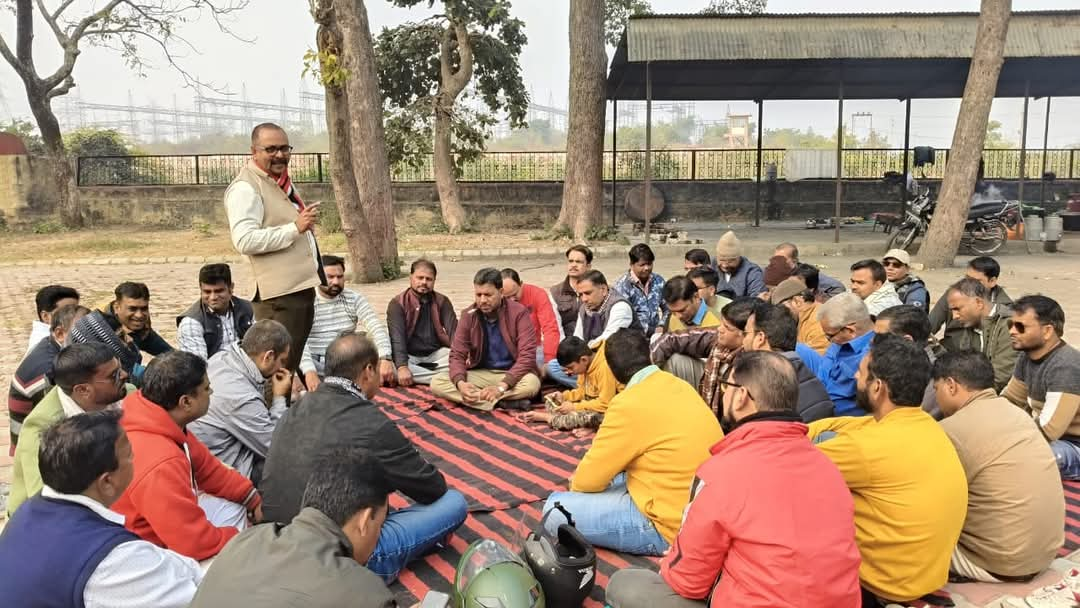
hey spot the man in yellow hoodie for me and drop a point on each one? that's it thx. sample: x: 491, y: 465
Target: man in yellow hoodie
x: 582, y: 408
x: 631, y: 487
x: 909, y: 487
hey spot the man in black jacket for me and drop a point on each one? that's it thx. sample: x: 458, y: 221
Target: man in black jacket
x: 217, y: 318
x: 340, y: 414
x: 771, y: 327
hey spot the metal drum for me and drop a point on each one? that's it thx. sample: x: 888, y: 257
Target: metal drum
x: 1033, y: 227
x: 1053, y: 227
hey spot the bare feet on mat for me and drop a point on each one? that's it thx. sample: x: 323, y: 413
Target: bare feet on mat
x: 583, y: 433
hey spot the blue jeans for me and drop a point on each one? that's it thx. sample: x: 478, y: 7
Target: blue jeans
x: 556, y: 373
x: 607, y: 519
x: 1067, y: 453
x: 413, y: 532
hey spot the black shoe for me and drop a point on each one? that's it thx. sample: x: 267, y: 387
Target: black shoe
x: 515, y: 405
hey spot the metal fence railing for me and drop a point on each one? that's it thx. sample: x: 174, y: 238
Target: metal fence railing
x: 689, y: 164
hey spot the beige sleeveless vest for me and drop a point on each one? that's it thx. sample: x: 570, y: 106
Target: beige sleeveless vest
x: 288, y: 270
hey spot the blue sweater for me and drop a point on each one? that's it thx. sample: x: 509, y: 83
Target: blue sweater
x: 748, y: 280
x: 49, y: 550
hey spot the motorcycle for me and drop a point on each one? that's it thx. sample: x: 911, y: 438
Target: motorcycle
x: 986, y: 230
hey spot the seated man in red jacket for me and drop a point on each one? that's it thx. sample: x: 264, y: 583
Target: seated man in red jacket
x: 181, y: 497
x: 493, y: 354
x: 749, y: 537
x: 542, y: 310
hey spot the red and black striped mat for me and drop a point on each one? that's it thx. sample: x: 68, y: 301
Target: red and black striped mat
x: 506, y: 469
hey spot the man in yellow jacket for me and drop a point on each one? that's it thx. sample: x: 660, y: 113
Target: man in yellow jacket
x: 582, y: 408
x: 909, y: 487
x: 631, y: 487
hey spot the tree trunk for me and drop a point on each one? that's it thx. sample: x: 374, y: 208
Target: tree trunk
x: 583, y: 190
x: 363, y: 251
x: 69, y: 206
x: 367, y: 137
x: 943, y: 237
x: 446, y: 174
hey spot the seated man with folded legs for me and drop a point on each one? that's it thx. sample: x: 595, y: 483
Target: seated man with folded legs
x: 65, y: 547
x: 421, y: 322
x: 583, y: 407
x: 493, y: 357
x: 181, y: 497
x: 910, y: 491
x: 318, y: 560
x: 1015, y: 501
x: 603, y: 311
x: 750, y: 537
x: 542, y: 310
x: 1046, y: 382
x: 340, y: 414
x: 629, y: 490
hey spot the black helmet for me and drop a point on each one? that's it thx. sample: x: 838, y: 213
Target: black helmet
x: 564, y: 565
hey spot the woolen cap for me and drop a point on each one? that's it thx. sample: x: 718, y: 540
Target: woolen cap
x: 787, y: 289
x: 776, y: 271
x: 728, y: 246
x: 899, y: 255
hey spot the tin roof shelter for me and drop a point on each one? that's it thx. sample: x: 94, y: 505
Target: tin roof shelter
x: 836, y: 56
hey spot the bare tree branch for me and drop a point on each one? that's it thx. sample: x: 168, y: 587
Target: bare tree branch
x: 51, y: 21
x: 60, y: 9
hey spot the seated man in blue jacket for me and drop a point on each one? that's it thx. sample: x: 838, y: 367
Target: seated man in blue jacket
x: 340, y: 414
x: 848, y: 326
x: 738, y: 275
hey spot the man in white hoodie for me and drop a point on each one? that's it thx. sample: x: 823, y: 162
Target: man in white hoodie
x: 869, y: 282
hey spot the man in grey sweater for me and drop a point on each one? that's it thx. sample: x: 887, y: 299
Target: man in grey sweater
x: 239, y: 424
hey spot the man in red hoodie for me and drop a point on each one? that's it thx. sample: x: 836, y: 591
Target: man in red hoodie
x: 750, y: 537
x: 181, y: 497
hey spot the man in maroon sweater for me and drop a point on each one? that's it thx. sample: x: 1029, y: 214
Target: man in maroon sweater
x: 493, y: 353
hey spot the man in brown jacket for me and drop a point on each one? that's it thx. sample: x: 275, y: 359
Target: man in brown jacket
x: 271, y: 225
x: 421, y: 322
x: 493, y: 355
x: 1015, y: 501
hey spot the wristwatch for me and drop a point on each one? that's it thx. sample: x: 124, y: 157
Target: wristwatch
x: 501, y: 389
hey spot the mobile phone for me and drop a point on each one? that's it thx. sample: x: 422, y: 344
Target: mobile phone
x: 435, y: 599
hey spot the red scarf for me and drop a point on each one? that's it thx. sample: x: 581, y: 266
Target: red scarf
x: 285, y: 183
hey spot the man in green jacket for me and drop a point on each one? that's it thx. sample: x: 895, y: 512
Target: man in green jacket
x: 317, y: 560
x: 88, y: 378
x: 986, y: 329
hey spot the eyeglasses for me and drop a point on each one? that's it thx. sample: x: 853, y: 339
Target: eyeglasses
x: 116, y: 381
x: 729, y: 384
x: 1021, y: 328
x: 272, y: 150
x: 893, y: 264
x: 834, y: 334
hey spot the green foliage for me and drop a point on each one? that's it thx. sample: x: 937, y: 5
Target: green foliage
x: 91, y: 141
x: 410, y: 72
x: 539, y: 136
x: 994, y: 137
x: 27, y: 132
x: 735, y: 7
x: 602, y: 233
x: 391, y: 269
x: 49, y: 226
x: 325, y: 67
x: 617, y: 13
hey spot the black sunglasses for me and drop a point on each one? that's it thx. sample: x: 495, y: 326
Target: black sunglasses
x: 1021, y: 328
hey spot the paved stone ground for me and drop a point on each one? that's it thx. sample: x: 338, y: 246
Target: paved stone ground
x: 173, y: 287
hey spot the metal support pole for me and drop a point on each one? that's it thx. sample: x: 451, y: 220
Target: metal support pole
x: 907, y: 160
x: 648, y: 148
x: 1046, y: 136
x: 614, y: 154
x: 757, y: 185
x: 1023, y: 146
x: 839, y: 158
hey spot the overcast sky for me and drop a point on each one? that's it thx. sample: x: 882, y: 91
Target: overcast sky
x: 282, y: 34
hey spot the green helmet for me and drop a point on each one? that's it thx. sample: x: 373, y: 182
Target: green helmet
x: 491, y: 576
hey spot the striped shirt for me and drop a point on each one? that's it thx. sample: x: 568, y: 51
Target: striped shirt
x: 190, y: 335
x: 346, y: 313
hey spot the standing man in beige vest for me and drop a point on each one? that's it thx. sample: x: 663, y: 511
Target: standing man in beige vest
x: 274, y: 228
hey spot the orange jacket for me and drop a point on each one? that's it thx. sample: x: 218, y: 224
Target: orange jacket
x: 171, y: 468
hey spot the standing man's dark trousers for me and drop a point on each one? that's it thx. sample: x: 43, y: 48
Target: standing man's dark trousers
x: 296, y: 311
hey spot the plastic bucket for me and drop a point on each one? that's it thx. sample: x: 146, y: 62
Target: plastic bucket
x: 1033, y: 227
x: 1052, y: 227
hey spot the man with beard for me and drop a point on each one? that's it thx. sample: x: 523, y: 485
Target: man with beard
x: 1047, y: 377
x: 340, y: 311
x: 746, y: 514
x: 603, y: 311
x: 88, y: 378
x: 218, y: 318
x: 738, y: 275
x: 578, y: 262
x: 421, y: 323
x: 493, y: 356
x: 239, y: 424
x: 271, y: 225
x: 909, y: 487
